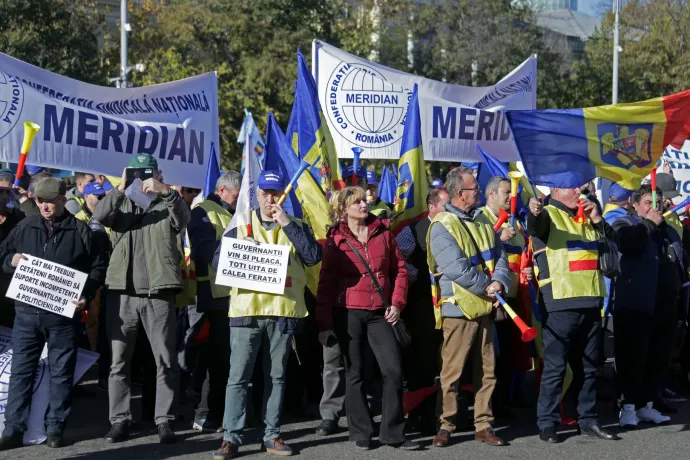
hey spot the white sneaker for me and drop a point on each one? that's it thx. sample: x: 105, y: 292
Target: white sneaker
x: 649, y: 414
x: 627, y: 417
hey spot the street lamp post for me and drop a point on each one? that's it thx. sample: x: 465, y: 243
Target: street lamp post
x: 616, y: 49
x: 121, y: 80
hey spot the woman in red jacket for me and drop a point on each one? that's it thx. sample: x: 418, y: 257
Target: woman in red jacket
x: 349, y: 307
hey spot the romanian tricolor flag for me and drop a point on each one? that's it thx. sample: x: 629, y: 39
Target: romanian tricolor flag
x: 622, y: 142
x: 583, y: 255
x: 413, y: 186
x: 308, y: 132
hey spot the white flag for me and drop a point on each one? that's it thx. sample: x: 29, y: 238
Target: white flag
x: 247, y: 201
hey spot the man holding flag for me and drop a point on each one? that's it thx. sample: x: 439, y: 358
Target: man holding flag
x: 257, y: 317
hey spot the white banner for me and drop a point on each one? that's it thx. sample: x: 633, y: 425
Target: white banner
x: 679, y: 160
x: 46, y: 285
x: 365, y: 103
x: 257, y: 267
x: 97, y: 129
x: 35, y: 434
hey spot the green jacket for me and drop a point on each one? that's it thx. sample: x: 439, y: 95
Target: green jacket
x: 152, y: 234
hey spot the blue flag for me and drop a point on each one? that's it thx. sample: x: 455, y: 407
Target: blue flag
x: 492, y: 167
x: 212, y: 173
x: 280, y: 157
x: 387, y: 186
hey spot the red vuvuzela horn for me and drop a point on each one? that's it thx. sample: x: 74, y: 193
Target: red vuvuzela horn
x: 528, y: 333
x: 503, y: 217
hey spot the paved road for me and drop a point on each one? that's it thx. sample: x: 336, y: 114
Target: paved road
x: 89, y: 422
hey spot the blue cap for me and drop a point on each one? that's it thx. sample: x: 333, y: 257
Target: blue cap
x: 32, y: 170
x: 371, y: 178
x: 271, y: 180
x: 107, y: 186
x: 437, y: 183
x: 618, y: 193
x: 93, y: 188
x: 471, y: 164
x: 348, y: 171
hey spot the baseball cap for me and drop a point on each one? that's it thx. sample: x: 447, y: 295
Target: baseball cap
x: 143, y: 160
x: 271, y: 180
x: 107, y: 185
x: 437, y: 183
x: 371, y: 178
x: 93, y: 188
x: 349, y: 171
x: 667, y: 184
x: 49, y: 188
x: 471, y: 164
x: 618, y: 193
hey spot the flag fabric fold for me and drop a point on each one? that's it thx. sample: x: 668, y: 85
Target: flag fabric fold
x: 247, y: 201
x: 494, y: 167
x: 212, y: 172
x: 387, y: 186
x: 622, y: 142
x: 257, y: 145
x: 308, y: 132
x: 413, y: 186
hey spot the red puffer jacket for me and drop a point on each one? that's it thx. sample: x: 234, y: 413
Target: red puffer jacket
x: 344, y: 281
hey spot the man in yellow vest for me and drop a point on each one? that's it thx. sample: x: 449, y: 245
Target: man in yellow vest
x: 571, y: 294
x: 76, y: 201
x: 509, y: 342
x: 469, y: 266
x: 209, y: 220
x: 258, y: 318
x: 376, y: 206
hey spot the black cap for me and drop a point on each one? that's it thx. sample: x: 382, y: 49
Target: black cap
x: 667, y: 184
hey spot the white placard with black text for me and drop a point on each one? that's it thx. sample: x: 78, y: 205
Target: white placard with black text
x: 46, y: 285
x: 256, y: 267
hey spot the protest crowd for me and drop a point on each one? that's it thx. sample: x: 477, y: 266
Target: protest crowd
x: 381, y: 293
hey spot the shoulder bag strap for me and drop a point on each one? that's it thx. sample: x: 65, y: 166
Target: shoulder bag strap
x: 378, y: 287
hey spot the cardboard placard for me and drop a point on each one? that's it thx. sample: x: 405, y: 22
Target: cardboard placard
x: 256, y: 267
x: 46, y: 285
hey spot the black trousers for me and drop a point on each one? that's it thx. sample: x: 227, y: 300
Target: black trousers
x: 355, y: 329
x: 215, y: 365
x: 643, y: 345
x: 570, y: 337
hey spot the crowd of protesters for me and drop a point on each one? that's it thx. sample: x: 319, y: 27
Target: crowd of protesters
x: 395, y: 314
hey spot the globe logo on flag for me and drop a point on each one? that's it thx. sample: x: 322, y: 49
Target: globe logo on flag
x: 365, y: 108
x: 11, y: 102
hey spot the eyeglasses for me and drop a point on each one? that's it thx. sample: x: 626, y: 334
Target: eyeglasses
x: 476, y: 188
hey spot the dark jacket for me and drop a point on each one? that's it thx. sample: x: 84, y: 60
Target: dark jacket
x: 145, y: 259
x: 651, y: 264
x: 69, y: 243
x: 202, y: 238
x: 539, y: 228
x: 344, y: 280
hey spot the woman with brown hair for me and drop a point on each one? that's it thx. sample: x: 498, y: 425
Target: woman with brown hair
x: 350, y: 312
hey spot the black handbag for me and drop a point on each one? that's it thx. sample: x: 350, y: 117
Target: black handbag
x: 399, y: 329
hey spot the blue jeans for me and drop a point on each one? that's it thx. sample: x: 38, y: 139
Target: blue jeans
x: 32, y: 329
x: 245, y: 343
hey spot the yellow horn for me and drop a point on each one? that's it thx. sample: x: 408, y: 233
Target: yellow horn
x: 30, y: 130
x: 515, y: 177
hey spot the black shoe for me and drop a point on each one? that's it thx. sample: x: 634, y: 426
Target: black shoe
x: 166, y: 434
x: 364, y: 444
x: 407, y: 445
x: 11, y: 442
x: 664, y: 408
x: 549, y: 435
x: 55, y: 440
x: 595, y: 431
x: 327, y: 427
x: 118, y: 432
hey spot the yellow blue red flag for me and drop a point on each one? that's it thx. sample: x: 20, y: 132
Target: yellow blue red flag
x: 413, y: 186
x: 308, y: 132
x: 622, y: 142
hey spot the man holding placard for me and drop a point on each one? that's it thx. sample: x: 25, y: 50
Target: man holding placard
x: 257, y: 316
x: 57, y: 271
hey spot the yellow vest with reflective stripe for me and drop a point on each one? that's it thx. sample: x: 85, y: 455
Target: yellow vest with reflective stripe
x: 78, y: 199
x: 608, y: 208
x: 472, y: 306
x: 82, y: 216
x: 572, y: 254
x: 513, y: 249
x: 220, y: 219
x: 674, y: 221
x: 380, y: 209
x: 252, y: 303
